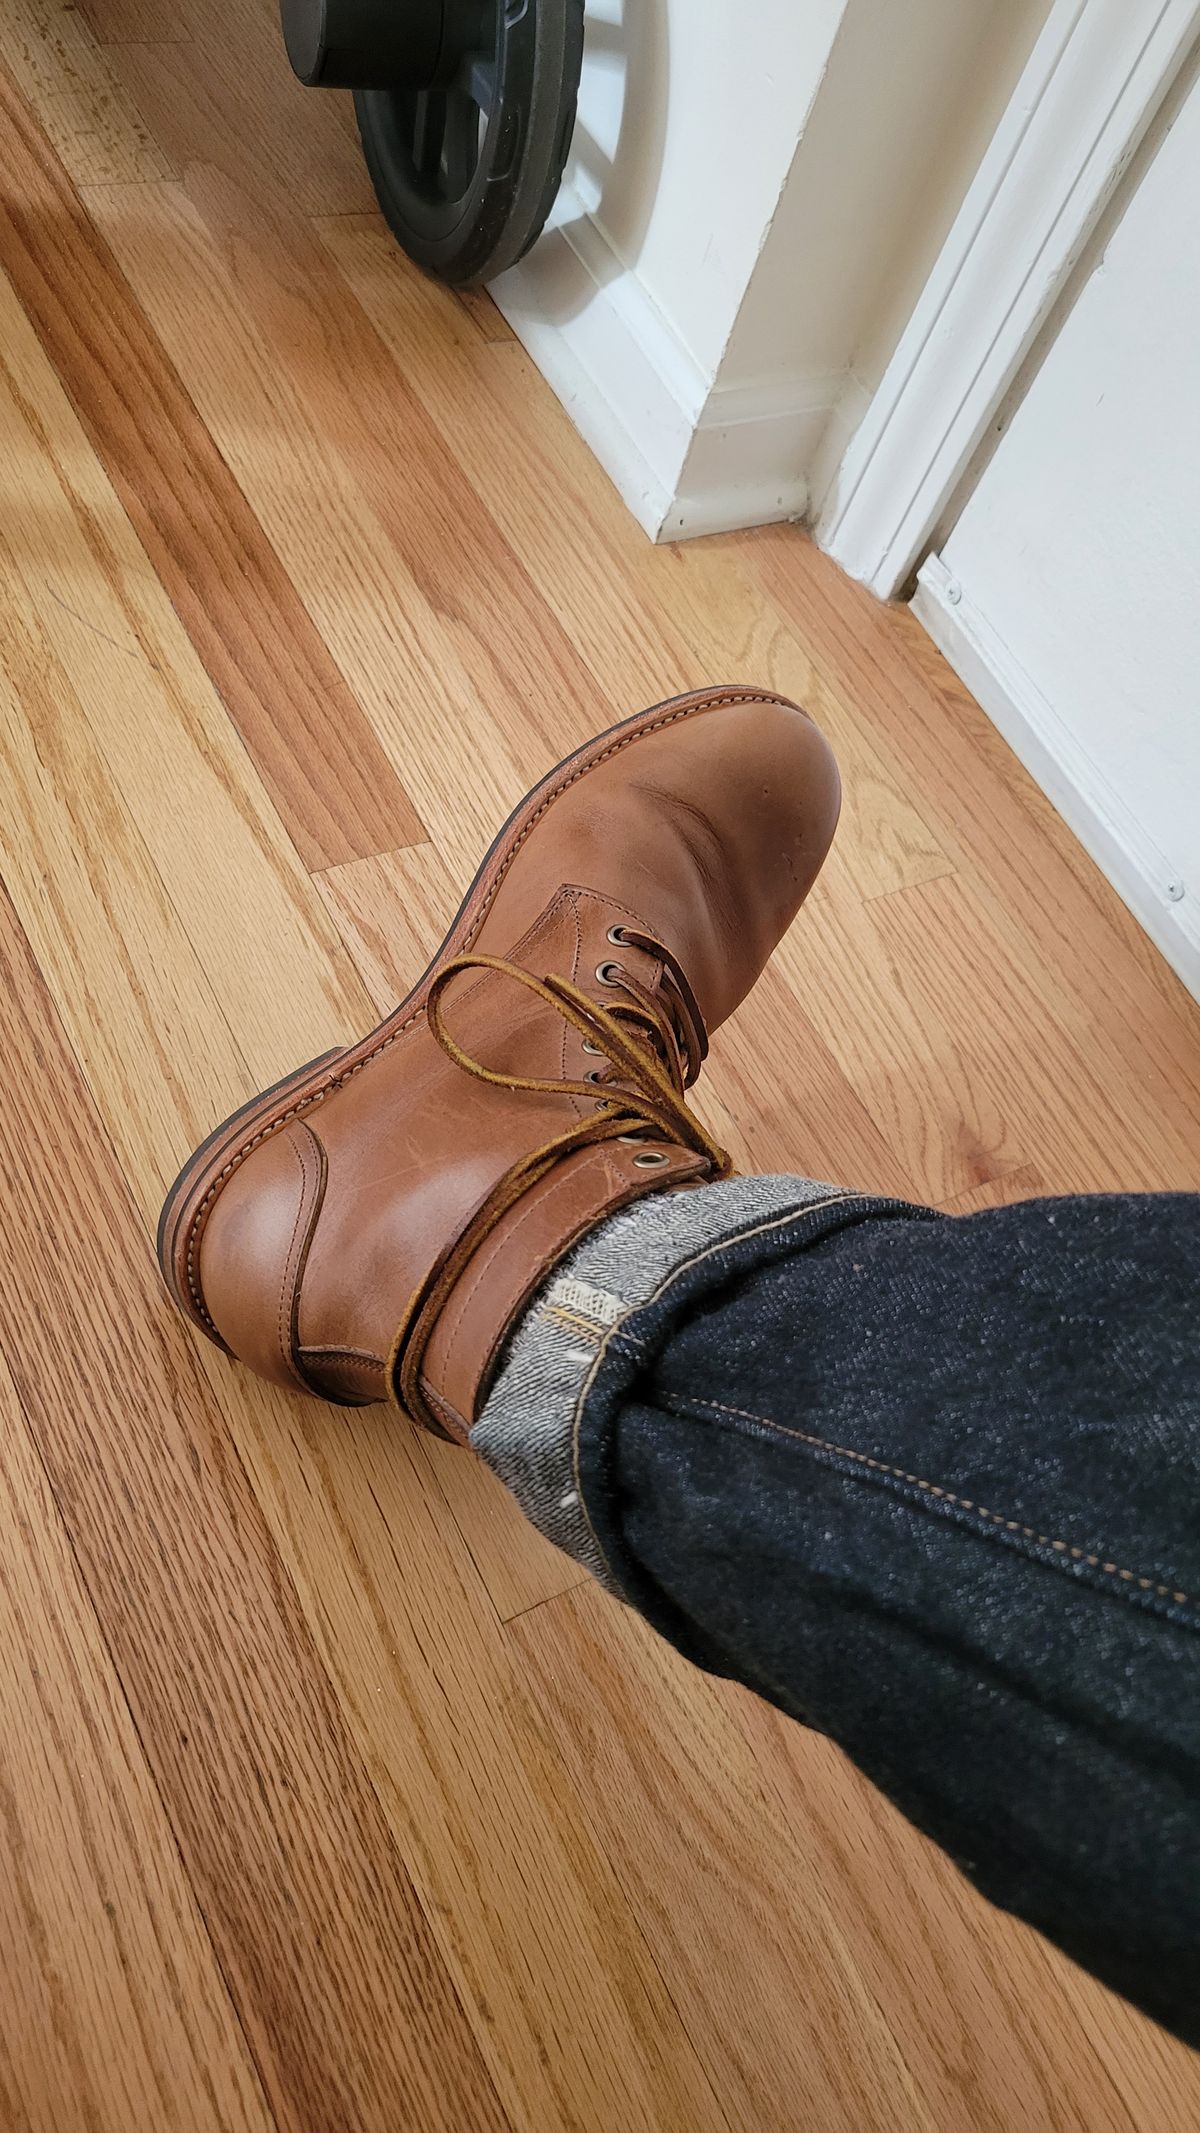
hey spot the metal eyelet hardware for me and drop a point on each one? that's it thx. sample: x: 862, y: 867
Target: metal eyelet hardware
x: 652, y: 1160
x: 618, y: 937
x: 630, y: 1140
x: 593, y: 1074
x: 596, y: 1050
x: 603, y: 973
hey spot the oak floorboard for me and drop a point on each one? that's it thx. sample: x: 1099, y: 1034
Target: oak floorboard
x: 325, y: 1949
x: 304, y: 577
x: 323, y: 763
x: 101, y: 1933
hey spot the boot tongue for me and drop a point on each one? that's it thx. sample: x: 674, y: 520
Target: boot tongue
x: 686, y: 1018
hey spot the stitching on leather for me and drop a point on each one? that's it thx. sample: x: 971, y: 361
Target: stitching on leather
x: 567, y: 1031
x: 963, y: 1503
x: 316, y: 1096
x: 447, y: 1413
x: 346, y: 1355
x: 287, y: 1287
x: 543, y: 923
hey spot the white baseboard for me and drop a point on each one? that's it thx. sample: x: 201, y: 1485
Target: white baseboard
x: 687, y: 457
x: 749, y: 458
x: 625, y: 378
x: 1138, y: 870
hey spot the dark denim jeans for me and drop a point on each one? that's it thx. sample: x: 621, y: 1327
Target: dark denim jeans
x: 930, y: 1486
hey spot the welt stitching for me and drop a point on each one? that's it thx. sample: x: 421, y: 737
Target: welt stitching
x: 962, y: 1503
x: 315, y: 1096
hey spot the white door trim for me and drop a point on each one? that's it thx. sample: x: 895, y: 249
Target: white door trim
x: 1087, y: 802
x: 1094, y: 80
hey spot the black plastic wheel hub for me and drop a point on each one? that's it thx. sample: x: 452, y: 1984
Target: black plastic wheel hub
x: 465, y: 108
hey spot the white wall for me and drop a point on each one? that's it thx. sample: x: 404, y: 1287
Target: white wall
x: 909, y: 100
x: 1068, y: 591
x: 753, y: 196
x: 695, y: 107
x: 689, y: 116
x: 991, y: 45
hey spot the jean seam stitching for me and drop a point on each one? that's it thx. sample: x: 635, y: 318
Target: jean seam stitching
x: 1061, y: 1548
x: 561, y: 1315
x: 615, y: 1333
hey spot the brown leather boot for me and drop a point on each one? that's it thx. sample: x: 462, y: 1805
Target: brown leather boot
x: 374, y: 1224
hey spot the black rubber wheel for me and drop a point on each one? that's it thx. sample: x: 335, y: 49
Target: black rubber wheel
x: 466, y: 174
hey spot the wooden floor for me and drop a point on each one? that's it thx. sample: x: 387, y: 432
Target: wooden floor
x: 331, y: 1799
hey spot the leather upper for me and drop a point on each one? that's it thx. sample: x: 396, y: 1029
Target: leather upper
x: 687, y: 846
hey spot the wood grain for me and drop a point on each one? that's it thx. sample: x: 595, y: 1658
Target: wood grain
x: 1000, y: 2030
x: 1046, y: 895
x: 145, y: 869
x: 89, y: 114
x: 136, y: 21
x: 389, y: 573
x: 392, y: 913
x: 304, y: 576
x: 648, y: 622
x: 1023, y: 1184
x: 489, y: 322
x: 318, y: 756
x: 754, y: 1865
x: 101, y: 1934
x: 224, y: 95
x: 706, y: 1874
x: 314, y: 1920
x: 575, y: 2019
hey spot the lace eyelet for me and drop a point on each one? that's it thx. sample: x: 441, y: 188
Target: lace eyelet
x: 604, y: 973
x: 593, y: 1074
x: 595, y: 1049
x: 652, y: 1160
x: 618, y: 937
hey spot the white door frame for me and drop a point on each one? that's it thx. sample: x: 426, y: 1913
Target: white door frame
x: 1095, y: 79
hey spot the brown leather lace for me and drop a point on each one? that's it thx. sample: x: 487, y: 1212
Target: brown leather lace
x: 657, y: 1063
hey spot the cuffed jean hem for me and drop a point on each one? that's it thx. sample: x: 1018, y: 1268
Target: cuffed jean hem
x: 546, y: 1426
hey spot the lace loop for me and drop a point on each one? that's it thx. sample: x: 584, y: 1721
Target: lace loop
x: 652, y: 1100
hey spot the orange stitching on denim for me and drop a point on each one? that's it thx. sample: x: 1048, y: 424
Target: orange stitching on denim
x: 574, y: 1320
x: 617, y: 1334
x: 964, y: 1503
